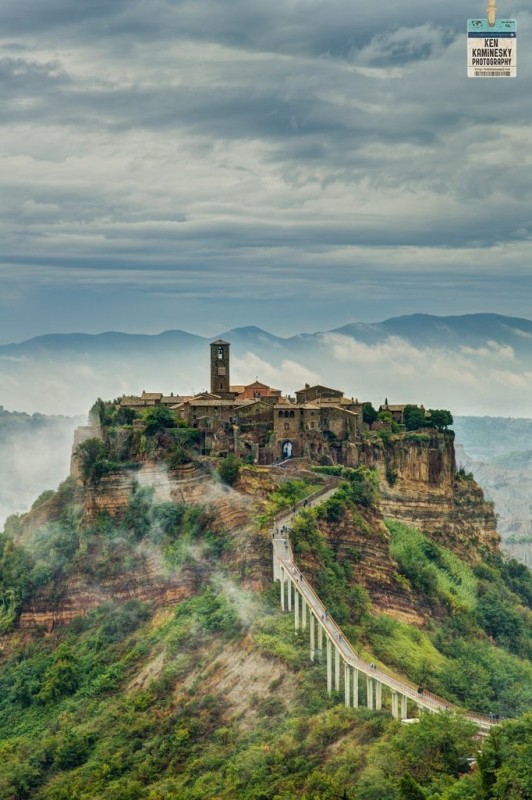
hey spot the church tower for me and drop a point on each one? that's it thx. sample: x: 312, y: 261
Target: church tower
x: 220, y: 367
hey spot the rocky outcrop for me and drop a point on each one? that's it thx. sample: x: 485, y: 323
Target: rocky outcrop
x: 420, y: 487
x: 81, y: 593
x: 114, y: 491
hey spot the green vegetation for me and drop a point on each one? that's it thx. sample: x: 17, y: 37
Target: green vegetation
x: 415, y: 418
x: 213, y: 697
x: 229, y: 469
x: 289, y: 493
x: 93, y: 461
x: 432, y: 570
x: 369, y: 413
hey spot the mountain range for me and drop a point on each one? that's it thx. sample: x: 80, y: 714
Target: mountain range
x: 473, y: 364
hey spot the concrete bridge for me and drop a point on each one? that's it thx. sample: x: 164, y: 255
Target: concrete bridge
x: 326, y: 639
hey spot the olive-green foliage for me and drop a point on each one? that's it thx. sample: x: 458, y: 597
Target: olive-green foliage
x: 289, y: 493
x: 500, y: 620
x: 346, y: 602
x: 440, y: 418
x: 158, y: 419
x: 409, y: 789
x: 370, y: 414
x: 229, y: 469
x: 414, y: 417
x: 93, y: 460
x: 331, y: 469
x: 480, y: 676
x: 9, y: 606
x: 432, y: 754
x: 505, y: 761
x: 361, y: 487
x: 125, y: 703
x: 43, y: 498
x: 406, y: 648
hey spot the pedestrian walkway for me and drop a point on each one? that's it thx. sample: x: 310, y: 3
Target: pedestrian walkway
x: 297, y: 594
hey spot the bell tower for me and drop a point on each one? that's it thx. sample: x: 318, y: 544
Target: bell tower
x: 220, y: 367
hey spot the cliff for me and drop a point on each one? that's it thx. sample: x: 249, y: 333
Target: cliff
x: 420, y: 486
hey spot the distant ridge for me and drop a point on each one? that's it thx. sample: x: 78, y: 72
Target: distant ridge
x: 474, y: 363
x: 419, y: 329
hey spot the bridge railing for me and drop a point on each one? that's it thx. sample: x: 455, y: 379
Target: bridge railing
x: 333, y: 631
x: 287, y: 512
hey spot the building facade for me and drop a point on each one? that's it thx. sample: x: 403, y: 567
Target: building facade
x: 257, y: 420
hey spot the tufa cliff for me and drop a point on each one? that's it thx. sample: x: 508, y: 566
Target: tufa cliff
x: 420, y: 486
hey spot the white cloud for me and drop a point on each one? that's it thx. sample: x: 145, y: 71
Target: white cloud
x: 287, y: 376
x: 467, y: 380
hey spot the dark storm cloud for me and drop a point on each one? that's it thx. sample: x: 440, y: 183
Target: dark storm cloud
x: 216, y: 147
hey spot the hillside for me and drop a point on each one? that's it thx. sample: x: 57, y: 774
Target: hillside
x: 167, y: 670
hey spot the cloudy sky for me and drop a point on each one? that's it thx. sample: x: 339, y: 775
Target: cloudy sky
x: 202, y: 164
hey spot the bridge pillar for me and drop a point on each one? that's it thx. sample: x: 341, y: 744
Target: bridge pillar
x: 336, y: 669
x: 296, y: 609
x: 369, y: 692
x: 289, y: 584
x: 312, y: 623
x: 355, y: 687
x: 303, y: 613
x: 282, y: 588
x: 347, y: 682
x: 320, y: 638
x: 329, y: 666
x: 404, y: 707
x: 395, y: 705
x: 276, y: 565
x: 378, y: 695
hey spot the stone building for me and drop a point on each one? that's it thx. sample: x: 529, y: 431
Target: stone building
x: 257, y: 419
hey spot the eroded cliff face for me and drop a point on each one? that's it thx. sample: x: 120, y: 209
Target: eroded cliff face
x: 95, y: 580
x: 419, y: 486
x: 362, y: 539
x: 418, y: 483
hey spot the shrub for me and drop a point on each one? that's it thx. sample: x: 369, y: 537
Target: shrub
x: 158, y: 419
x: 93, y: 460
x: 229, y: 469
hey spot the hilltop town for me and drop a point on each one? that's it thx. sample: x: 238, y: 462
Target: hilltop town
x: 258, y: 422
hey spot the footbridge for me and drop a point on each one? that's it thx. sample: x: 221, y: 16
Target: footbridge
x: 327, y: 640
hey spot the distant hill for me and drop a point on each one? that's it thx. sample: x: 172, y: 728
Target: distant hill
x: 473, y: 364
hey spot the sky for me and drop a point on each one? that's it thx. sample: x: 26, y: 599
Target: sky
x: 295, y: 165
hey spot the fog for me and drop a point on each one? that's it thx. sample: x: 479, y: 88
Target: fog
x: 493, y: 379
x: 34, y: 456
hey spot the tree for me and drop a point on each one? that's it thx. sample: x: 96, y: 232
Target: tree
x: 369, y: 413
x: 414, y: 417
x: 61, y: 678
x: 158, y: 419
x: 93, y: 462
x: 440, y: 418
x: 229, y: 468
x: 125, y: 415
x: 178, y: 456
x: 409, y: 789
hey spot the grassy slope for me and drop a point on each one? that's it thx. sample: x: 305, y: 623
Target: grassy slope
x: 216, y: 698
